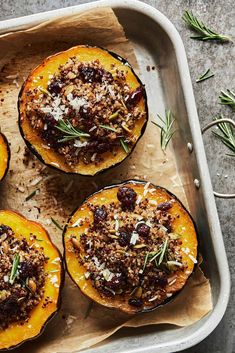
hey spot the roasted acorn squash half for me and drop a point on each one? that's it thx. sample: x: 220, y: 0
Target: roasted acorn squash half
x: 4, y: 156
x: 82, y: 110
x: 33, y: 278
x: 130, y: 246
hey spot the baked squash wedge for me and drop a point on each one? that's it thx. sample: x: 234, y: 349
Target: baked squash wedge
x: 31, y: 277
x: 82, y: 110
x: 4, y: 156
x: 130, y: 246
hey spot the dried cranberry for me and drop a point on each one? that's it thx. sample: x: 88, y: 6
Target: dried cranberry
x: 124, y: 238
x: 135, y: 302
x: 100, y: 214
x: 127, y: 196
x: 164, y: 206
x: 143, y: 230
x: 9, y: 306
x: 27, y: 269
x: 4, y: 229
x: 55, y: 87
x: 90, y: 75
x: 158, y: 278
x: 134, y: 97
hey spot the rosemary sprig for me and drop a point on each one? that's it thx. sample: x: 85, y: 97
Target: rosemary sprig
x: 227, y: 98
x: 56, y: 223
x: 124, y: 145
x: 107, y: 127
x: 226, y: 135
x: 70, y: 133
x: 166, y: 129
x: 14, y: 268
x: 205, y: 32
x: 207, y: 74
x: 156, y: 256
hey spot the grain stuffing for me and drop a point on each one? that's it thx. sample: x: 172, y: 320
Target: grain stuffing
x: 85, y: 111
x: 22, y: 277
x: 130, y: 248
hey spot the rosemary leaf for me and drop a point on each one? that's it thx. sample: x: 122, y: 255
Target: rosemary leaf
x: 88, y: 311
x: 227, y: 98
x: 124, y: 145
x: 56, y: 224
x: 14, y: 268
x: 69, y: 132
x: 107, y: 127
x: 145, y: 260
x: 32, y: 194
x: 166, y: 129
x: 226, y: 135
x: 164, y: 247
x: 207, y: 74
x: 205, y: 32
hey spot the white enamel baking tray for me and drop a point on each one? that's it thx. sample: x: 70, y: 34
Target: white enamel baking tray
x: 157, y: 43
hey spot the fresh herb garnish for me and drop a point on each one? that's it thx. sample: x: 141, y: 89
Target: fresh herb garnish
x: 207, y: 74
x: 107, y: 127
x: 70, y: 133
x: 166, y: 129
x: 156, y: 256
x: 163, y: 251
x: 227, y: 135
x: 30, y: 196
x: 227, y: 98
x: 124, y: 145
x: 14, y: 268
x: 205, y: 32
x: 56, y: 223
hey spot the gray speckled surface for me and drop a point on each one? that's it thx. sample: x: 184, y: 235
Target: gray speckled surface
x: 220, y: 58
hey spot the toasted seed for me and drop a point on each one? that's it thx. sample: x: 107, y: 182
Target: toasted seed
x: 5, y: 247
x: 138, y: 292
x: 75, y: 243
x: 32, y: 285
x: 3, y: 295
x: 140, y: 246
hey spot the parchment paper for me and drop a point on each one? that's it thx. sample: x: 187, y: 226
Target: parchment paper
x: 78, y: 326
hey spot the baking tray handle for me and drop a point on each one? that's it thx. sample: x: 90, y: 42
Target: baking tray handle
x: 204, y: 129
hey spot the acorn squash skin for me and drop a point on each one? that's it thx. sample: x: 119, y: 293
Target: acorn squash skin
x: 107, y: 302
x: 15, y: 335
x: 5, y: 155
x: 34, y: 150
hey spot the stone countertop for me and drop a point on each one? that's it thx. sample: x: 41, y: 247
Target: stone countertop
x: 201, y: 56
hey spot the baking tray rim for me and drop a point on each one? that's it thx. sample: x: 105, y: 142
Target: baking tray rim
x: 219, y: 308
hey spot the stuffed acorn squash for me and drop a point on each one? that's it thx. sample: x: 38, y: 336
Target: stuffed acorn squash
x: 31, y: 276
x: 82, y: 110
x: 4, y: 156
x: 130, y: 246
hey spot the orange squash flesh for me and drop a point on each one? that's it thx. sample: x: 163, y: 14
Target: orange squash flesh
x: 4, y: 156
x: 183, y: 226
x: 40, y: 76
x: 17, y: 333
